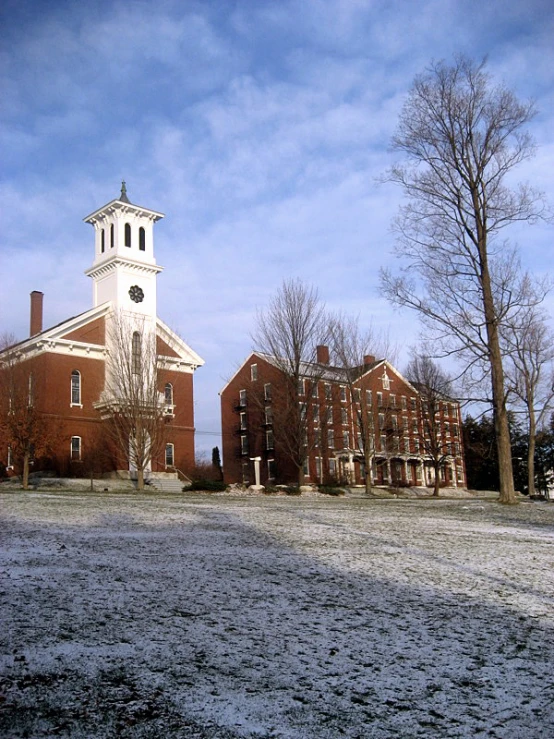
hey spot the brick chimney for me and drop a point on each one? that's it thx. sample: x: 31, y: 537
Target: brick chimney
x: 36, y: 312
x: 368, y: 359
x: 322, y: 354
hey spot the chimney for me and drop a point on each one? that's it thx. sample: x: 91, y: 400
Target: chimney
x: 322, y: 354
x: 368, y: 359
x: 36, y: 312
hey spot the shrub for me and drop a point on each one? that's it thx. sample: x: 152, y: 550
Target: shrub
x: 212, y: 486
x: 330, y: 490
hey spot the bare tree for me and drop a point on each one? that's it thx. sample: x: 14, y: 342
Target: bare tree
x: 289, y: 332
x: 28, y: 431
x: 529, y: 344
x: 462, y: 138
x: 132, y: 403
x: 434, y: 388
x: 351, y: 348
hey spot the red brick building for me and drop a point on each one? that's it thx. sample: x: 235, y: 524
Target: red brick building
x: 66, y: 366
x: 331, y: 404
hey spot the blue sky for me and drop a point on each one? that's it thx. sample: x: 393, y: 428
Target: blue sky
x: 258, y: 128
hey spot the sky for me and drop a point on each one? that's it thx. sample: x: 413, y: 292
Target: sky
x: 259, y: 128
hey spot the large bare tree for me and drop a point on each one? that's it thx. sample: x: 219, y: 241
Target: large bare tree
x: 28, y: 431
x: 289, y: 330
x: 529, y: 346
x: 462, y: 136
x: 132, y: 403
x: 350, y: 348
x: 434, y: 387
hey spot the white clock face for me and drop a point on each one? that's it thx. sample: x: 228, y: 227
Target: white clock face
x: 136, y: 294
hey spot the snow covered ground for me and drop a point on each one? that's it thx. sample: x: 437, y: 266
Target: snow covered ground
x: 231, y: 617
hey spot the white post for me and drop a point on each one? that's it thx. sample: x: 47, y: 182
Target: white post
x: 256, y: 461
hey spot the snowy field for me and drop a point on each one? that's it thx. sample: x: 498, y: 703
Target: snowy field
x: 228, y: 617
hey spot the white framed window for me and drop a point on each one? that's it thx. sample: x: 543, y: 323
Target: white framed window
x: 75, y: 388
x: 413, y: 403
x: 394, y: 420
x: 315, y: 413
x: 328, y: 391
x: 368, y: 398
x: 168, y: 393
x: 301, y: 387
x: 268, y: 415
x: 329, y: 414
x: 331, y: 438
x: 243, y: 421
x: 75, y: 448
x: 379, y: 399
x: 269, y: 440
x: 271, y: 469
x: 169, y: 455
x: 242, y: 398
x: 381, y: 420
x: 392, y: 400
x: 386, y: 381
x: 332, y: 466
x: 383, y: 442
x: 253, y: 372
x: 318, y: 468
x: 244, y: 444
x: 345, y: 439
x: 306, y: 467
x: 404, y: 402
x: 357, y: 394
x: 343, y: 416
x: 317, y: 437
x: 407, y: 444
x: 267, y: 391
x: 416, y: 446
x: 343, y: 393
x: 303, y: 411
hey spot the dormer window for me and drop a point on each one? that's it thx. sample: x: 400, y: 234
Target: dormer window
x: 142, y: 239
x: 127, y: 234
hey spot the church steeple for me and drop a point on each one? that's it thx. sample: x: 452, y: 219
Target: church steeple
x: 124, y: 269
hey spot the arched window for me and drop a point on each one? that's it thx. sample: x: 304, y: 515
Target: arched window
x: 168, y: 393
x: 75, y: 387
x: 169, y: 455
x: 102, y: 240
x: 112, y: 236
x: 142, y: 239
x: 136, y: 351
x: 75, y: 448
x: 127, y: 234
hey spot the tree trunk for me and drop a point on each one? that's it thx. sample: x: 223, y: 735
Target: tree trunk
x: 436, y: 488
x: 140, y: 479
x: 531, y: 451
x: 25, y: 476
x: 500, y: 414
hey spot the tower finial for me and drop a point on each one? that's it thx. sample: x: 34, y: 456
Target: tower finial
x: 123, y: 195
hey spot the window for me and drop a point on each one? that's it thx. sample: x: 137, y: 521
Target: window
x: 268, y: 416
x: 31, y: 399
x: 329, y: 414
x: 357, y: 394
x: 392, y: 400
x: 102, y: 241
x: 301, y: 387
x: 142, y: 239
x: 380, y: 399
x: 127, y: 234
x: 381, y: 420
x: 407, y: 444
x: 455, y: 432
x: 243, y: 421
x: 112, y: 236
x: 169, y: 455
x: 343, y: 393
x: 413, y: 403
x: 306, y: 468
x: 343, y: 416
x: 414, y: 425
x: 271, y: 469
x: 168, y: 393
x: 136, y: 353
x: 404, y: 402
x: 303, y: 411
x: 368, y: 398
x: 446, y: 428
x: 416, y: 446
x: 9, y: 465
x: 405, y: 423
x: 331, y: 438
x: 267, y: 391
x: 76, y: 388
x: 345, y: 439
x: 269, y: 441
x: 242, y: 398
x: 318, y: 468
x: 328, y: 391
x: 305, y: 437
x: 383, y: 442
x: 244, y: 444
x: 394, y: 421
x: 75, y: 448
x: 332, y: 467
x: 315, y: 413
x: 253, y: 372
x: 317, y: 437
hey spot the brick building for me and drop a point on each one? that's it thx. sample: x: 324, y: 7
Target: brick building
x: 66, y: 366
x: 330, y: 403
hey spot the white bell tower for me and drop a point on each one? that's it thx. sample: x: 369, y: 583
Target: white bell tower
x: 124, y: 270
